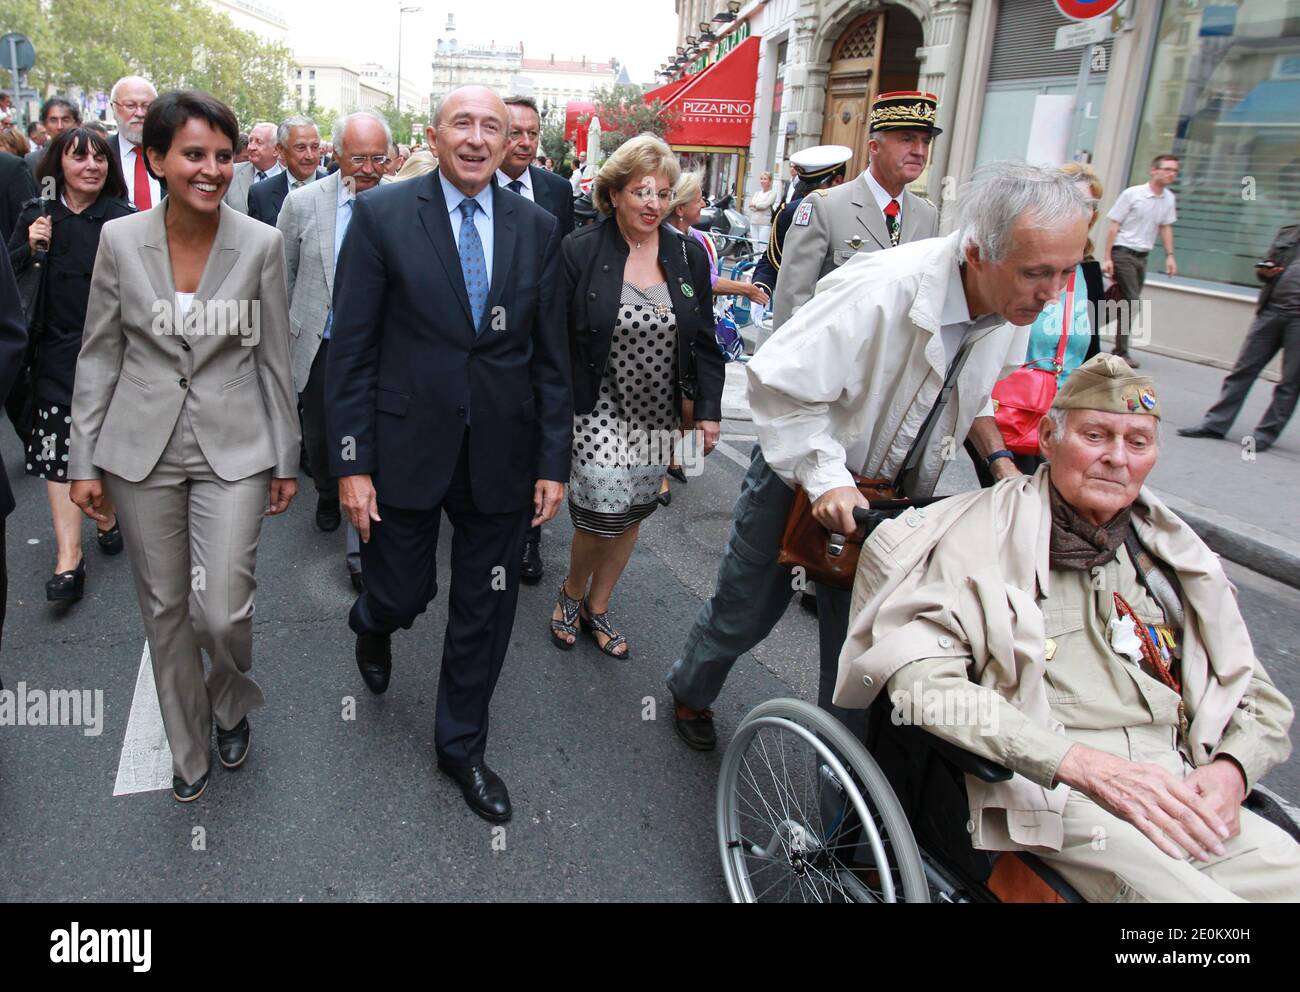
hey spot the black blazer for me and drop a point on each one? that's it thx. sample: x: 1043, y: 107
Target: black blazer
x: 554, y: 195
x: 1283, y: 253
x: 405, y: 370
x: 16, y: 187
x: 115, y: 142
x: 594, y: 258
x: 13, y: 351
x: 265, y: 198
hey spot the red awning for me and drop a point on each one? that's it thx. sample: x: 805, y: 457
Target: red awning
x: 666, y: 92
x: 572, y: 111
x: 717, y: 106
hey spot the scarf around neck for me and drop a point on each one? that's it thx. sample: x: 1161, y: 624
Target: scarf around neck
x: 1079, y: 544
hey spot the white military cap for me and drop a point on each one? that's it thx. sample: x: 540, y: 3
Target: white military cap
x: 820, y: 159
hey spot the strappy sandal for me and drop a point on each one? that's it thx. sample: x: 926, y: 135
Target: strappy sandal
x: 571, y: 608
x: 594, y: 623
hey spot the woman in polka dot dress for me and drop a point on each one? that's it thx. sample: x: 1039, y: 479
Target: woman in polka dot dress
x: 640, y: 311
x: 89, y: 191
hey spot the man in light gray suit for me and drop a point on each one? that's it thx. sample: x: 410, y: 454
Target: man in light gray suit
x: 263, y: 163
x: 313, y: 221
x: 871, y: 212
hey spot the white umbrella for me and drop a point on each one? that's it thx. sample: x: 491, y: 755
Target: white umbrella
x: 594, y: 157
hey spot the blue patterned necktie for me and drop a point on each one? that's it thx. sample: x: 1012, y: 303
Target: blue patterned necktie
x: 516, y: 187
x: 472, y: 265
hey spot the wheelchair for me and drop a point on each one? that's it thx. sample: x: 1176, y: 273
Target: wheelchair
x: 809, y: 812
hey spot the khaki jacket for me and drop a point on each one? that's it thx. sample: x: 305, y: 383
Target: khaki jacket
x: 963, y: 579
x: 845, y: 385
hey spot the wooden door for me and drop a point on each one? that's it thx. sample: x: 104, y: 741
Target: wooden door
x: 853, y: 84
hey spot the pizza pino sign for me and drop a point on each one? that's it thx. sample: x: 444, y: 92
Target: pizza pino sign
x: 716, y: 109
x: 729, y: 111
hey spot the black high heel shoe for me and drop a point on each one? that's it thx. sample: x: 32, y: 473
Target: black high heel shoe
x: 110, y: 541
x: 67, y: 587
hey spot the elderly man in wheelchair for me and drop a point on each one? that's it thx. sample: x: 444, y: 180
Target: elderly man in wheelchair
x: 1067, y: 650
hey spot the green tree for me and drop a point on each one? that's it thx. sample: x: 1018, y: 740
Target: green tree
x: 404, y: 126
x: 553, y: 144
x: 624, y: 114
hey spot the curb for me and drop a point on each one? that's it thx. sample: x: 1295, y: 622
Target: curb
x: 1259, y: 550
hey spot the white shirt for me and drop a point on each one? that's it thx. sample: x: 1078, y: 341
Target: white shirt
x: 882, y: 195
x: 274, y: 170
x: 482, y: 217
x: 128, y: 153
x: 343, y: 205
x: 1141, y: 214
x: 526, y: 179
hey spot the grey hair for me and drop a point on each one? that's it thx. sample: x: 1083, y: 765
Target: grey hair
x: 112, y: 94
x: 341, y: 128
x: 999, y: 194
x: 687, y: 188
x: 297, y: 120
x: 1058, y: 418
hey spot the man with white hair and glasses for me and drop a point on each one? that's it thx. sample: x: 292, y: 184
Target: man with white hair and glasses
x: 131, y: 98
x: 884, y: 372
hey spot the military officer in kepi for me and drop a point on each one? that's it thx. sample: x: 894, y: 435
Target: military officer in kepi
x: 868, y: 213
x: 820, y: 167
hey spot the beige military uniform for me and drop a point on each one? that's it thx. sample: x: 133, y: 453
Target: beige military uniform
x: 835, y: 225
x: 1106, y: 701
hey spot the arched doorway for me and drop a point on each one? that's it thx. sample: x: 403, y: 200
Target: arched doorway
x: 875, y: 53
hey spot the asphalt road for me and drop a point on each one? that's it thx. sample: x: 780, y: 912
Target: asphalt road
x: 609, y: 805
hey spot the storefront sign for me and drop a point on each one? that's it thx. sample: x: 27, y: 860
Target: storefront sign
x: 1083, y: 10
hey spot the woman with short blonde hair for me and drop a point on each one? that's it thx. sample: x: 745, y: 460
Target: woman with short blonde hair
x: 643, y: 155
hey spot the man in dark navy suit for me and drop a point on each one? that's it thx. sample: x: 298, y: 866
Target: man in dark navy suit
x: 448, y: 387
x: 13, y: 349
x: 298, y: 143
x: 519, y: 174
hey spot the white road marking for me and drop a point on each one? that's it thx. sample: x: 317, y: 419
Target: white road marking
x: 146, y: 761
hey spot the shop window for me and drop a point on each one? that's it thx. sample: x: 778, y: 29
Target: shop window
x: 1224, y: 95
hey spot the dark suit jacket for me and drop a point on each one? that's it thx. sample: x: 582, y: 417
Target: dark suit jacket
x: 1283, y: 253
x: 16, y: 187
x: 554, y: 195
x: 115, y: 142
x: 13, y: 351
x: 405, y: 369
x: 593, y: 258
x: 267, y: 197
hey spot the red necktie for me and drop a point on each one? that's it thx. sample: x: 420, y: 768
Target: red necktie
x: 891, y: 221
x: 143, y: 200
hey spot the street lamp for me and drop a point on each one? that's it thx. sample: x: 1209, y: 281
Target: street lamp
x: 400, y: 11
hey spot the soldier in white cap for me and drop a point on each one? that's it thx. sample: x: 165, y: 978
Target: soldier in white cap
x: 820, y: 167
x: 1098, y: 644
x: 871, y: 212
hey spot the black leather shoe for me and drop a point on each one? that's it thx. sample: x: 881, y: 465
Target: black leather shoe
x: 67, y: 587
x: 482, y: 788
x: 375, y: 660
x: 678, y: 473
x: 232, y: 745
x: 354, y: 573
x: 1262, y: 445
x: 532, y: 567
x: 110, y: 541
x: 328, y: 515
x: 1199, y: 432
x: 188, y: 793
x: 695, y: 727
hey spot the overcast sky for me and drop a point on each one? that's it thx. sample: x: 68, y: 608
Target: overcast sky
x: 642, y: 35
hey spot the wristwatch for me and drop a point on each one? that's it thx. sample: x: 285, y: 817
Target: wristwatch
x: 1003, y: 453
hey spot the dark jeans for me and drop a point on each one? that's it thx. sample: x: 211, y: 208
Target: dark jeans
x: 1131, y: 274
x: 750, y: 595
x: 1272, y: 331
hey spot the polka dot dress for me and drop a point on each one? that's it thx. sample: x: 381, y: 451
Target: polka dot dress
x: 47, y: 450
x: 622, y: 449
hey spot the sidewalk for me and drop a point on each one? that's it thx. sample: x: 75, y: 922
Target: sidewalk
x: 1245, y: 506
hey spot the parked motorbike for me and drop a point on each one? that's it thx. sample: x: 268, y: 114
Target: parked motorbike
x: 728, y: 227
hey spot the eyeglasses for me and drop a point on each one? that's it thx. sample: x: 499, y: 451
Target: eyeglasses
x: 133, y: 107
x: 360, y: 160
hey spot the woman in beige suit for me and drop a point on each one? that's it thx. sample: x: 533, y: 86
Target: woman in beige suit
x: 183, y: 413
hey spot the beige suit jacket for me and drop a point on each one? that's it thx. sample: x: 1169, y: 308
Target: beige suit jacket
x: 241, y: 181
x: 229, y: 369
x: 307, y: 221
x: 842, y: 221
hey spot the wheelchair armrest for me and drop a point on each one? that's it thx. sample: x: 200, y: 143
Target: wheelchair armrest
x: 971, y: 764
x: 1276, y: 810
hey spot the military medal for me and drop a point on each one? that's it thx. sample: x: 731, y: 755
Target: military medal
x: 854, y: 242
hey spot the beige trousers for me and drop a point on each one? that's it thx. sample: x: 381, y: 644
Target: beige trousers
x: 1109, y: 860
x: 192, y: 540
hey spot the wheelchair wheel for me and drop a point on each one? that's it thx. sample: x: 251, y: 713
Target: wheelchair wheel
x: 804, y: 814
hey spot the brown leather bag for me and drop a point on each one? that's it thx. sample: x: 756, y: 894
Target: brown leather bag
x: 824, y: 557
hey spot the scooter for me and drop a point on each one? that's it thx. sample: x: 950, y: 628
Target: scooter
x: 728, y: 227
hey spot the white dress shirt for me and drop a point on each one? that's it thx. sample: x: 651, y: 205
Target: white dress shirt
x: 882, y: 195
x: 526, y: 179
x: 482, y: 217
x: 274, y: 170
x: 342, y: 217
x: 128, y: 152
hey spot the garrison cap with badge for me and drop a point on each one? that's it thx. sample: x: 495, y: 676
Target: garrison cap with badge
x: 815, y: 165
x: 1107, y: 383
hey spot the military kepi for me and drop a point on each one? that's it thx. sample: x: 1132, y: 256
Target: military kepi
x: 905, y: 109
x: 1108, y: 383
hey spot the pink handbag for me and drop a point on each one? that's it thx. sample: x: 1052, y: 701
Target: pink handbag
x: 1022, y: 399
